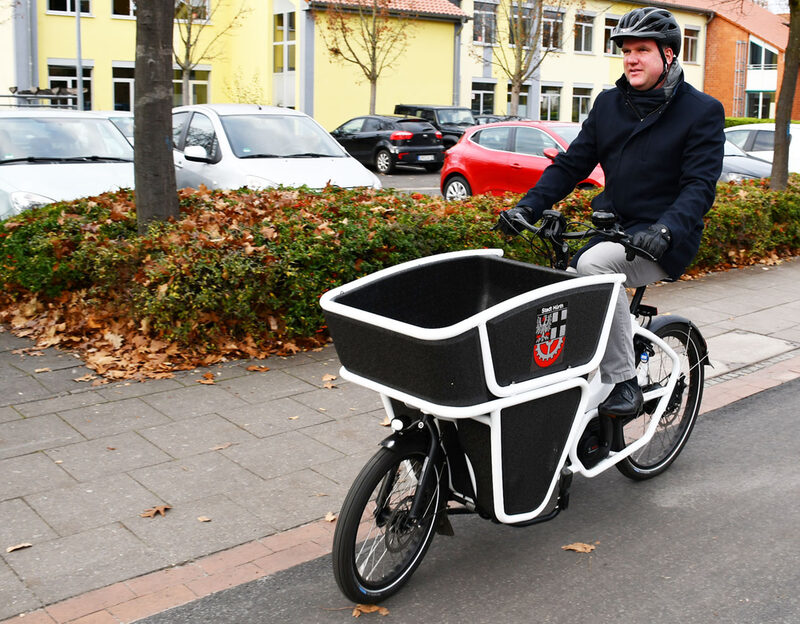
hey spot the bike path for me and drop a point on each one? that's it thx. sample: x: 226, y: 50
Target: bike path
x: 262, y: 456
x: 711, y: 540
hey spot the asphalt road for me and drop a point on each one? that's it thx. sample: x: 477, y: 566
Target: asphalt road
x: 714, y: 539
x: 412, y: 179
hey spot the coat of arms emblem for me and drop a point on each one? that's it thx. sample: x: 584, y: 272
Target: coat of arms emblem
x: 551, y: 333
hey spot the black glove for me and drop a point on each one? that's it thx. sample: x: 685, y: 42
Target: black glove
x: 506, y: 221
x: 654, y: 240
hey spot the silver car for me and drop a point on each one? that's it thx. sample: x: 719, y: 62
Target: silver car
x: 59, y: 155
x: 235, y: 145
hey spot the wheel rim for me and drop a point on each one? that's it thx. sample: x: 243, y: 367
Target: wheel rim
x: 456, y: 190
x: 383, y: 162
x: 677, y: 420
x: 387, y: 543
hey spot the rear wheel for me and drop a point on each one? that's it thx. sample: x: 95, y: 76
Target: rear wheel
x: 457, y: 188
x: 384, y: 162
x: 677, y: 421
x: 376, y: 547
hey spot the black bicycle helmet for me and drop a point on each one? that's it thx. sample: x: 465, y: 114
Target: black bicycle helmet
x: 649, y: 23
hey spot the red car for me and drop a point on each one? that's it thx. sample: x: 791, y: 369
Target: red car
x: 507, y: 156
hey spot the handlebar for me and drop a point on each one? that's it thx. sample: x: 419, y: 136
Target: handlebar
x: 553, y: 232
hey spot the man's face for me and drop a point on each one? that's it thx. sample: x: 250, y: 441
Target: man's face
x: 642, y: 62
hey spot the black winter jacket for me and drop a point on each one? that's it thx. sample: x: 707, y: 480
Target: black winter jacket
x: 660, y: 169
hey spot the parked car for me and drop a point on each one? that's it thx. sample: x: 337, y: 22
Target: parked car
x: 383, y: 141
x: 236, y: 145
x: 758, y: 139
x: 59, y: 155
x: 451, y: 121
x: 487, y: 119
x: 122, y: 120
x: 737, y: 165
x: 507, y: 156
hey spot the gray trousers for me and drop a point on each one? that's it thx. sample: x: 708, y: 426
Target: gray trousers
x: 607, y: 257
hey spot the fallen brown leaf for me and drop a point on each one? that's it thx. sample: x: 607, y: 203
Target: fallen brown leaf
x: 330, y: 517
x: 207, y: 379
x: 219, y: 447
x: 41, y: 370
x: 579, y: 547
x: 386, y: 421
x: 86, y: 377
x: 203, y: 519
x: 258, y: 369
x: 151, y: 513
x: 328, y: 377
x: 369, y: 608
x: 328, y: 385
x: 18, y: 547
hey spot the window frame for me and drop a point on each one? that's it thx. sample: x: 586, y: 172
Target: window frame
x: 610, y: 48
x: 584, y: 29
x: 691, y: 44
x: 487, y: 18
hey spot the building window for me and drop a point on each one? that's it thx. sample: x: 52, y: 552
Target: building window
x: 485, y: 27
x: 68, y: 6
x: 552, y: 25
x: 482, y: 97
x: 550, y: 103
x: 761, y: 57
x: 520, y: 25
x: 690, y: 39
x: 198, y: 87
x: 122, y: 79
x: 584, y: 31
x: 191, y: 10
x: 67, y: 76
x: 581, y: 101
x: 124, y: 8
x: 283, y: 43
x: 522, y: 105
x: 759, y: 104
x: 611, y: 47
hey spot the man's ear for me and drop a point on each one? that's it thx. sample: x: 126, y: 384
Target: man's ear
x: 669, y: 55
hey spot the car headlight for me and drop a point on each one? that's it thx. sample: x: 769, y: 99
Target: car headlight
x: 23, y: 200
x: 255, y: 183
x: 730, y: 176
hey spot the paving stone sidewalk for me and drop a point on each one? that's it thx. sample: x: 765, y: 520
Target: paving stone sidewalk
x: 245, y: 461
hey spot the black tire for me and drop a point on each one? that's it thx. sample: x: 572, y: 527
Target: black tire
x: 456, y: 188
x: 384, y: 162
x: 678, y: 420
x: 433, y: 168
x: 391, y: 548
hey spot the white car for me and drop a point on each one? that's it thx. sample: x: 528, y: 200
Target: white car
x: 758, y: 139
x: 235, y: 145
x: 59, y: 155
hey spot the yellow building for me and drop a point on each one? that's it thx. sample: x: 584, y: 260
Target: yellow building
x: 580, y: 61
x: 277, y: 52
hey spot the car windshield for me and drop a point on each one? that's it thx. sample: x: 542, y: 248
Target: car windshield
x: 732, y: 150
x: 568, y: 133
x: 61, y: 138
x: 456, y: 116
x: 253, y: 136
x: 125, y: 124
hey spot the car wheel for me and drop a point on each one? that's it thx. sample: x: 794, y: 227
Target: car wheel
x: 383, y: 162
x: 433, y: 168
x: 457, y: 188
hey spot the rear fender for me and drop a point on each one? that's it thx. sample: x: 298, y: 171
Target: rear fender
x: 659, y: 322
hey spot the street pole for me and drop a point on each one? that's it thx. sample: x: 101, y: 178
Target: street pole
x: 79, y: 61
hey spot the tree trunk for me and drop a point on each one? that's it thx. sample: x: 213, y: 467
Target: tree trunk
x: 515, y: 89
x: 373, y: 93
x: 154, y: 172
x: 783, y: 112
x: 186, y: 90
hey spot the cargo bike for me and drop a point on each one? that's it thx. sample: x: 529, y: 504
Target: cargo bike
x: 487, y: 370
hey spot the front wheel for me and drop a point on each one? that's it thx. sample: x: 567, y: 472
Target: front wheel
x: 678, y: 419
x: 457, y: 188
x: 376, y: 547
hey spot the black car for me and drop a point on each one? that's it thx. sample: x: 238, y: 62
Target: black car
x: 384, y: 141
x: 451, y: 121
x: 737, y: 165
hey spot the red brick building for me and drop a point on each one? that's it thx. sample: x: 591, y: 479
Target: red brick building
x: 745, y: 51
